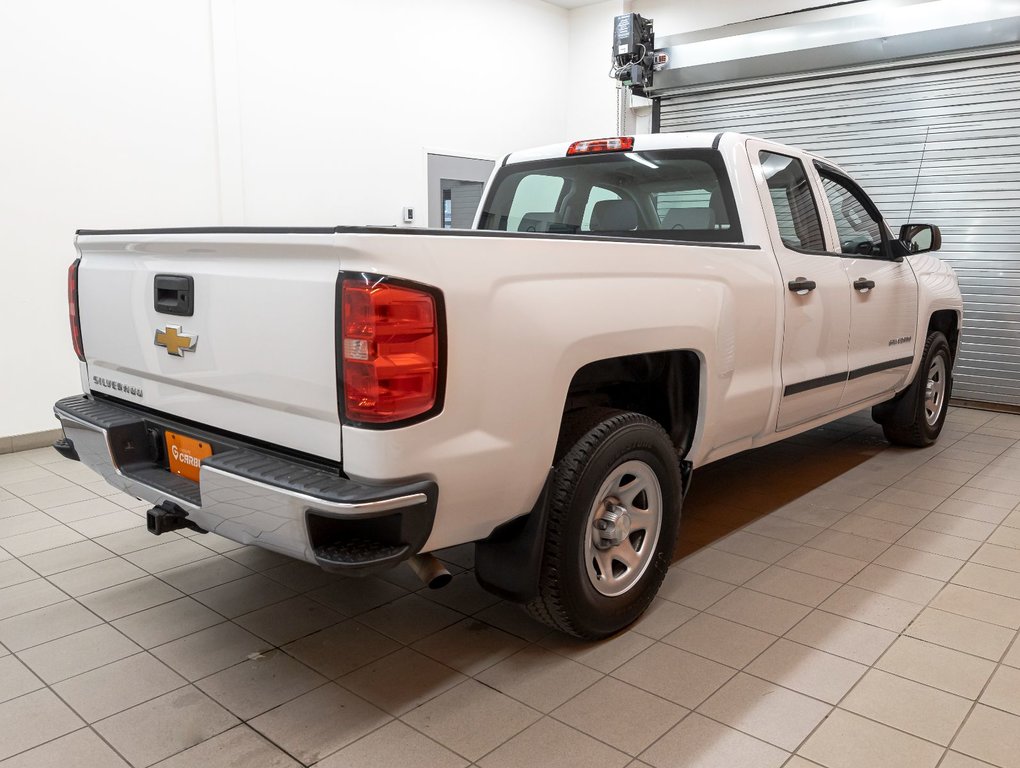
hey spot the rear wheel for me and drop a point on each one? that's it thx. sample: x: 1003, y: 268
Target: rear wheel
x: 915, y: 417
x: 613, y: 519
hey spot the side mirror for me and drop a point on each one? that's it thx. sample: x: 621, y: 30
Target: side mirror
x: 921, y: 238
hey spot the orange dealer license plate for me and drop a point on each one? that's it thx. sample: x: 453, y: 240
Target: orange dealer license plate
x: 186, y: 454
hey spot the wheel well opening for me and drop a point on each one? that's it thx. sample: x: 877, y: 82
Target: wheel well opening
x: 947, y: 321
x: 664, y: 386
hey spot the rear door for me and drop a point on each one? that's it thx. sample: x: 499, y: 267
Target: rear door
x: 883, y: 295
x: 817, y: 296
x: 253, y: 355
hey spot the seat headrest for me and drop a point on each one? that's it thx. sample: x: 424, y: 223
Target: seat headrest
x: 717, y: 204
x: 613, y: 216
x: 539, y: 221
x: 689, y: 218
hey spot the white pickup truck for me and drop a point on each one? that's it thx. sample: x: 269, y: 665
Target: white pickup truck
x: 624, y: 310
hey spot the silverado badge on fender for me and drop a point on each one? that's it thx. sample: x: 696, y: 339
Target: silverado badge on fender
x: 176, y: 342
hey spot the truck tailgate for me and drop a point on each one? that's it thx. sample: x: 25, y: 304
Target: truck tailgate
x: 262, y: 357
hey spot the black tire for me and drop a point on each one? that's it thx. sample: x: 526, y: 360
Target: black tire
x: 904, y: 419
x: 568, y: 600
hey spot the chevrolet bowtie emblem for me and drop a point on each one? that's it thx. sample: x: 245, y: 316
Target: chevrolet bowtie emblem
x: 175, y: 341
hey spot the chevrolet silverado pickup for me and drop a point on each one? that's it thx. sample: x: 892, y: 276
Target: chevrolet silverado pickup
x: 623, y: 311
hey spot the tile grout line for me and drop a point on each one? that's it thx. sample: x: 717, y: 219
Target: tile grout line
x: 871, y: 666
x: 109, y: 623
x: 540, y: 713
x: 977, y: 699
x: 523, y: 703
x: 946, y: 748
x: 655, y: 640
x: 922, y: 608
x: 763, y: 651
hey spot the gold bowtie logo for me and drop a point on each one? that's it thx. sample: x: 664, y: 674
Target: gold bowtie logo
x: 175, y: 341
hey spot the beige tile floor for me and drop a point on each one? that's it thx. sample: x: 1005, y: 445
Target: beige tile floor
x: 838, y: 603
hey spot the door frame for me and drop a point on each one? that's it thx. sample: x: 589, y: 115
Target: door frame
x: 832, y: 262
x: 427, y: 152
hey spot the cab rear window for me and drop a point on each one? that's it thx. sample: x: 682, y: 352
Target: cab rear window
x: 662, y: 194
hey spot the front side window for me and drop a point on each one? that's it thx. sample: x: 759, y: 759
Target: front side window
x: 860, y: 233
x: 661, y: 194
x: 794, y: 205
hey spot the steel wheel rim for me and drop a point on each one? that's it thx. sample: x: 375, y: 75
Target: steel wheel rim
x: 935, y: 391
x: 614, y: 568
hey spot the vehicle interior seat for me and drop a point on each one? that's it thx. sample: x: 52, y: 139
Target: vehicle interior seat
x: 689, y: 218
x: 718, y: 206
x: 538, y: 221
x: 614, y: 216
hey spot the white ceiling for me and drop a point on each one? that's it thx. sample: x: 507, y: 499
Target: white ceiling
x: 573, y: 3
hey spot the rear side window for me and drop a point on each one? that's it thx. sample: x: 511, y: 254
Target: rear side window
x: 662, y: 194
x: 794, y: 204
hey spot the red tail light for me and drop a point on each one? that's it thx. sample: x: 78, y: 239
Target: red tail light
x: 390, y: 350
x: 72, y: 309
x: 595, y: 146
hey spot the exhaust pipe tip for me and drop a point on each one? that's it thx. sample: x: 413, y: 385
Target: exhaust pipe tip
x: 430, y: 570
x: 441, y: 580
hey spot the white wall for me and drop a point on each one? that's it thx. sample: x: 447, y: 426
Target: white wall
x: 106, y: 111
x: 118, y: 113
x: 335, y: 129
x: 591, y: 95
x: 196, y: 112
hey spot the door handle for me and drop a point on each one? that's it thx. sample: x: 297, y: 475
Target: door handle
x: 863, y: 285
x: 801, y: 285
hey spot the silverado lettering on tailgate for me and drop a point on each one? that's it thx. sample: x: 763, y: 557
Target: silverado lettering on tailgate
x: 118, y: 386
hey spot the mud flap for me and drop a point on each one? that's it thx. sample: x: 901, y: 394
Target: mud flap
x: 508, y: 563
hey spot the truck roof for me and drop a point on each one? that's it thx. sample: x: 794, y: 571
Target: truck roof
x: 642, y: 141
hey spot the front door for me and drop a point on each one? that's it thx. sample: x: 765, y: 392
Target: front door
x: 883, y: 296
x: 815, y: 288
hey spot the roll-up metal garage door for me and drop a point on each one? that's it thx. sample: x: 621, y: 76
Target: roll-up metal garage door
x: 934, y: 140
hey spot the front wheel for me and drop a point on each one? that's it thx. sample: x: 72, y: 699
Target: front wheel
x: 613, y: 519
x: 915, y: 417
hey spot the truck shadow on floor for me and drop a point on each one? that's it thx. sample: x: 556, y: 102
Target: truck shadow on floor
x: 729, y: 494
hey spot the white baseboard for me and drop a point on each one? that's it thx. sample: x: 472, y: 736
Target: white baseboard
x: 27, y: 442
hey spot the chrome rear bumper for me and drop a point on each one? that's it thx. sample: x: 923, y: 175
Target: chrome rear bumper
x: 251, y: 495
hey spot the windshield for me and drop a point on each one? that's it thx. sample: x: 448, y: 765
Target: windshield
x: 664, y: 194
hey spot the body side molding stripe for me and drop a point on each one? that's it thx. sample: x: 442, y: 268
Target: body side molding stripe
x: 835, y: 378
x: 856, y: 374
x: 822, y: 381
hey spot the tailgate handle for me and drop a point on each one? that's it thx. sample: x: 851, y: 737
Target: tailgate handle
x: 174, y: 294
